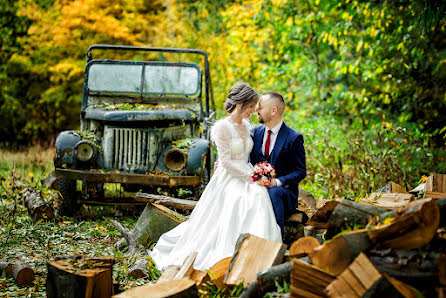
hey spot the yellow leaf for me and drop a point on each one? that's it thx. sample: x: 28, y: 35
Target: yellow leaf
x: 423, y: 179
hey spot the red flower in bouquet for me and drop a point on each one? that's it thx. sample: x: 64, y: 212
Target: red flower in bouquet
x: 263, y: 173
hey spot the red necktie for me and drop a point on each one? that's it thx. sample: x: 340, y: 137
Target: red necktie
x: 268, y: 141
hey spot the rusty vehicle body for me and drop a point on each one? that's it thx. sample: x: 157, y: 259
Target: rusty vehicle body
x: 144, y: 125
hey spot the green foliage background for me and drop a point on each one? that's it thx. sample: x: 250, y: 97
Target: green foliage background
x: 363, y: 80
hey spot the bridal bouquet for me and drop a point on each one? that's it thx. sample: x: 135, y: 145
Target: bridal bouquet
x: 263, y: 173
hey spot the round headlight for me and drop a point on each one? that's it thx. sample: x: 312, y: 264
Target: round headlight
x: 175, y: 159
x: 84, y: 151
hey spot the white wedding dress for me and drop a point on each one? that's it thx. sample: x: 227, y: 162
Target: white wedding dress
x: 230, y: 205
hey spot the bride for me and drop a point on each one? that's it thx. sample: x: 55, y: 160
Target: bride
x: 231, y: 203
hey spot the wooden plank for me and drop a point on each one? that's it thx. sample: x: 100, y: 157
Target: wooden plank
x: 306, y: 278
x: 252, y: 255
x: 168, y: 273
x: 434, y: 195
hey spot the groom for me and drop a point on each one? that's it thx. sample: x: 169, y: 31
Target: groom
x: 283, y: 148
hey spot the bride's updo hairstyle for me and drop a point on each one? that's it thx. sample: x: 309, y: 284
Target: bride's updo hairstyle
x: 240, y: 93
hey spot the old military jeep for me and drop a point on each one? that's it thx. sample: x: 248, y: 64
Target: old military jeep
x: 144, y: 126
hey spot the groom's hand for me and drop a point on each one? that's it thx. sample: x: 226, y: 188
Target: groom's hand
x: 273, y: 183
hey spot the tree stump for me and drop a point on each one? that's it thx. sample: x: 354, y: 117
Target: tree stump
x: 80, y: 278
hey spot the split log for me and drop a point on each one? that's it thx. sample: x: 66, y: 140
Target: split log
x: 7, y: 268
x: 362, y: 279
x: 166, y: 201
x: 251, y: 255
x: 36, y: 206
x: 308, y: 280
x: 388, y: 200
x: 303, y: 246
x: 174, y: 288
x: 139, y: 269
x: 216, y: 275
x: 337, y: 254
x: 23, y: 274
x: 413, y: 226
x: 436, y: 183
x: 80, y: 278
x: 198, y: 276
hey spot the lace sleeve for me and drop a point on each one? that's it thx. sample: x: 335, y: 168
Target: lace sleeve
x: 221, y: 136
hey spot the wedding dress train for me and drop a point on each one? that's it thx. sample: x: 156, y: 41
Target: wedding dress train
x: 230, y: 205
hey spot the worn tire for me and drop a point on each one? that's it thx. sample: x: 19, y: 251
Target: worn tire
x: 67, y: 189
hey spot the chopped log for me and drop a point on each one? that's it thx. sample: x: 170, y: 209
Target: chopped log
x: 154, y: 221
x: 168, y: 273
x: 336, y: 255
x: 174, y: 288
x: 362, y: 279
x: 139, y: 269
x: 80, y: 278
x: 392, y: 187
x: 420, y: 269
x: 413, y: 226
x: 308, y: 280
x: 187, y: 268
x: 251, y: 255
x: 267, y: 279
x: 337, y: 215
x: 51, y: 181
x: 36, y: 206
x: 216, y: 274
x: 166, y: 201
x: 7, y: 268
x: 436, y: 183
x: 388, y: 200
x: 23, y: 274
x: 303, y: 246
x: 198, y: 276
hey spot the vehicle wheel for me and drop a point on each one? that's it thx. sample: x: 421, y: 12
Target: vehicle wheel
x: 67, y: 189
x: 204, y: 182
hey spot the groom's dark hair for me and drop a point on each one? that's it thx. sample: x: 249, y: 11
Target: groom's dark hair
x: 239, y: 93
x: 278, y: 99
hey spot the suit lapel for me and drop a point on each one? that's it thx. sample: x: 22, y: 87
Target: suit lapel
x: 259, y: 139
x: 281, y: 137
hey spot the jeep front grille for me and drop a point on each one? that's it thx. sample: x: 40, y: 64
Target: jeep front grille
x: 128, y: 149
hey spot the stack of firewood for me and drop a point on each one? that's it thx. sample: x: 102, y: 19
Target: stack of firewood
x: 396, y: 248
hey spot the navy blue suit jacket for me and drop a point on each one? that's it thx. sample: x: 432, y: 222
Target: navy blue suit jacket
x: 287, y: 157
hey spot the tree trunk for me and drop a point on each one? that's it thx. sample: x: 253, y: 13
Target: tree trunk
x: 23, y: 275
x: 80, y: 278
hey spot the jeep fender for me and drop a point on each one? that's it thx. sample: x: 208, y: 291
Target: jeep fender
x: 65, y: 143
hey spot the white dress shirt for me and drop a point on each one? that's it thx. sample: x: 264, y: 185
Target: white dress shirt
x: 272, y: 142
